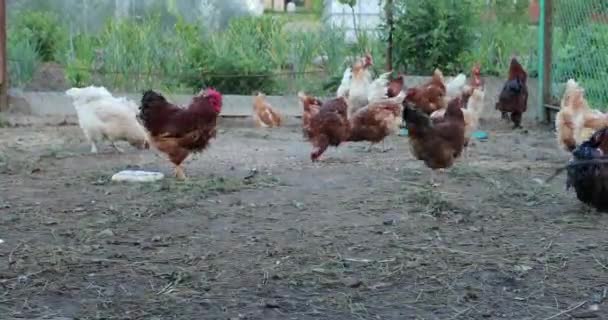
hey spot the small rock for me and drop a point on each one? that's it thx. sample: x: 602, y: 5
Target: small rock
x: 50, y: 222
x: 389, y: 222
x: 156, y: 239
x: 272, y: 305
x: 352, y: 282
x: 107, y: 233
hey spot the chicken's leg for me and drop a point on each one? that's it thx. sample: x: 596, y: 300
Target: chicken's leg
x: 320, y: 146
x: 93, y: 147
x: 369, y: 147
x: 385, y: 146
x: 179, y: 173
x: 433, y: 180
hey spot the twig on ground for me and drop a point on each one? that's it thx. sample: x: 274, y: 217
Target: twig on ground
x: 598, y: 262
x: 566, y: 311
x: 10, y: 255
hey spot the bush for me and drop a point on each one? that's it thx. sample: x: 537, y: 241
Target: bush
x: 23, y: 60
x: 44, y: 31
x: 495, y: 44
x: 580, y: 54
x: 430, y: 34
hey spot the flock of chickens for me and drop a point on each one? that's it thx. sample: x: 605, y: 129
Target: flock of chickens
x: 440, y: 118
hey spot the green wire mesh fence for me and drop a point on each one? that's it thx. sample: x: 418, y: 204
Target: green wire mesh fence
x: 579, y: 48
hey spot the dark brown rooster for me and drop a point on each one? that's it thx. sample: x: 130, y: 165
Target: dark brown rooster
x: 178, y: 131
x: 513, y: 98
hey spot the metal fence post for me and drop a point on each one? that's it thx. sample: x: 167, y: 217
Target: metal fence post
x: 389, y: 21
x: 545, y: 44
x: 3, y: 63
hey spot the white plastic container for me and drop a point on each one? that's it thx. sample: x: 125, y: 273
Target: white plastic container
x: 137, y: 176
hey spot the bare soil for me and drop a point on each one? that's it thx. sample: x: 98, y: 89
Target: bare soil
x: 358, y: 236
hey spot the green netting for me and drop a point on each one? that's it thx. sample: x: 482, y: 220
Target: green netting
x: 580, y: 48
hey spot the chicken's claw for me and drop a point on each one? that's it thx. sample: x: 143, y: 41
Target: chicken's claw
x: 179, y: 173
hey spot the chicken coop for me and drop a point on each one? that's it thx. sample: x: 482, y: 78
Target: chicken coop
x: 573, y: 41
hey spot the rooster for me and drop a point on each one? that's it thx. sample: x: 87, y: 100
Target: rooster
x: 436, y: 142
x: 311, y: 107
x: 430, y: 96
x: 355, y: 83
x: 178, y: 131
x: 329, y: 126
x: 588, y: 171
x: 376, y: 121
x: 103, y: 116
x: 513, y: 98
x: 263, y: 114
x: 576, y: 121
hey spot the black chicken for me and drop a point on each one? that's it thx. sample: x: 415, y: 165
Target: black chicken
x: 588, y: 171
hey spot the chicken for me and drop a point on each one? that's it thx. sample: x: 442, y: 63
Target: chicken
x: 178, y: 131
x: 329, y: 127
x: 377, y: 121
x: 263, y: 114
x: 472, y: 111
x: 588, y: 171
x: 311, y: 106
x: 576, y: 121
x: 103, y: 116
x: 436, y: 142
x: 476, y: 80
x: 456, y: 87
x: 345, y: 83
x: 430, y: 96
x: 358, y: 83
x: 385, y: 86
x: 513, y: 98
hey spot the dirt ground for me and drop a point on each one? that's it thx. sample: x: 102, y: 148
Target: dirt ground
x: 358, y: 236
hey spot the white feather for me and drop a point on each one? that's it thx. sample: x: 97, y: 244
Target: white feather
x: 456, y: 86
x: 378, y: 89
x: 345, y: 83
x: 103, y: 116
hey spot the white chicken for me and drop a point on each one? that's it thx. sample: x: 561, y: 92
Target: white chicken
x: 576, y: 121
x: 345, y: 83
x: 456, y: 86
x: 355, y: 87
x: 102, y: 116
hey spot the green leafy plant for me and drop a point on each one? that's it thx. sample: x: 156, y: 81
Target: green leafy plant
x: 23, y: 60
x: 43, y: 30
x: 584, y: 49
x: 430, y: 34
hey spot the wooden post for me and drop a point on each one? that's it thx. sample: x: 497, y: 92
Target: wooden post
x: 545, y: 49
x: 388, y: 11
x: 3, y: 63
